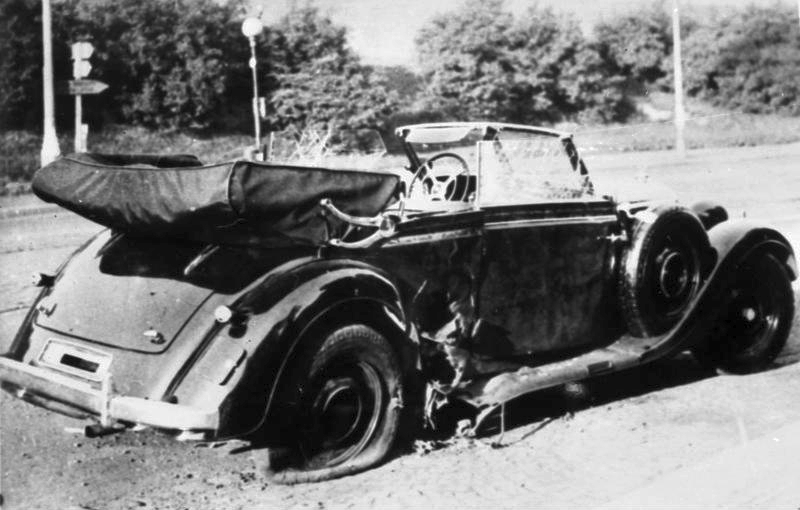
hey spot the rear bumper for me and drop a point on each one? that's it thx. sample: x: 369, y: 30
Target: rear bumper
x: 22, y: 380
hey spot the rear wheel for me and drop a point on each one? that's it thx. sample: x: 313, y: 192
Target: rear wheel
x: 755, y: 320
x: 349, y: 407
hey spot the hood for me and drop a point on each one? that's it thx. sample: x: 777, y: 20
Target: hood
x: 137, y: 293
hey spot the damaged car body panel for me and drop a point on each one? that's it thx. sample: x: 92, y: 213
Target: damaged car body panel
x: 322, y: 319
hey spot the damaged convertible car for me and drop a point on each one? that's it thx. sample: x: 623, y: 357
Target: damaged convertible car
x: 320, y: 311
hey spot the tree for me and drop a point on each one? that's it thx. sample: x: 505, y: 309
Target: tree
x: 748, y: 60
x: 319, y: 82
x: 21, y: 62
x: 465, y: 56
x: 482, y: 63
x: 407, y: 84
x: 636, y: 44
x: 166, y: 63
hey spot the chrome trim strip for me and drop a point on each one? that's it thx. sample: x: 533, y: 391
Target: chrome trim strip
x: 549, y: 222
x: 431, y: 237
x: 498, y: 225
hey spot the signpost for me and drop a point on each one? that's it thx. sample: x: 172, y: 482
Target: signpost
x: 81, y: 67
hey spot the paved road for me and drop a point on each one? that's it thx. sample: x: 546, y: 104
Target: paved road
x: 620, y: 440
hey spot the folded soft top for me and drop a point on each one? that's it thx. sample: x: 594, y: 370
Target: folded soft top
x: 239, y: 202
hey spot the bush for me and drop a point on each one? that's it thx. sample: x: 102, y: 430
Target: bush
x: 635, y: 44
x: 21, y: 62
x: 747, y: 60
x: 184, y: 63
x: 19, y: 155
x: 481, y: 62
x: 319, y: 82
x: 166, y: 62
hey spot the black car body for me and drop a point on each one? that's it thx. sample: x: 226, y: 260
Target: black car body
x: 317, y: 322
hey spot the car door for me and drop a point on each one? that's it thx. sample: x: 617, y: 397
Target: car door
x: 436, y: 258
x: 546, y: 280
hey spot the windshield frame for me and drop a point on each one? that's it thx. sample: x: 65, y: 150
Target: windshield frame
x: 489, y: 131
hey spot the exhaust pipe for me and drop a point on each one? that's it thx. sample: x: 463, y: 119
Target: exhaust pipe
x: 98, y: 430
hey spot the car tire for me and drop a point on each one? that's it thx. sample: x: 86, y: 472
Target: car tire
x: 662, y: 269
x: 755, y: 318
x: 350, y: 407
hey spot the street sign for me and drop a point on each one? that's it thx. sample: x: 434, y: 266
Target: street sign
x: 83, y: 87
x: 81, y: 67
x: 82, y: 50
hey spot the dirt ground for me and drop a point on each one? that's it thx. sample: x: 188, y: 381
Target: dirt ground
x: 581, y: 446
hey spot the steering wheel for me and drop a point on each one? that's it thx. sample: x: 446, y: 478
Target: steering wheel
x: 435, y: 186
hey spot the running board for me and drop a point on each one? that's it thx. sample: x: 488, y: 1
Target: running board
x: 489, y: 394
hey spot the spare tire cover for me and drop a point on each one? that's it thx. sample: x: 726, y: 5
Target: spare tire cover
x: 662, y: 269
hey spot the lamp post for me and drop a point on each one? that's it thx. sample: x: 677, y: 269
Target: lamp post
x: 251, y: 27
x: 50, y: 149
x: 680, y: 111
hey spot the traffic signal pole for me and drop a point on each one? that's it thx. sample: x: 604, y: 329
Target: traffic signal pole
x: 50, y: 150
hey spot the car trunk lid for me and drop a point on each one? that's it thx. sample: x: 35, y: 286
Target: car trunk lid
x: 125, y: 292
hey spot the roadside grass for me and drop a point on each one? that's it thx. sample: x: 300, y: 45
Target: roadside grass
x: 19, y: 150
x: 710, y: 131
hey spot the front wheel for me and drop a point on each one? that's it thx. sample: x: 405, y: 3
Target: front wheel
x: 349, y: 407
x: 755, y: 321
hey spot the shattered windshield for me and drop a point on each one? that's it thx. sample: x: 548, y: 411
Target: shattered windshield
x: 345, y: 149
x: 530, y: 169
x: 510, y: 165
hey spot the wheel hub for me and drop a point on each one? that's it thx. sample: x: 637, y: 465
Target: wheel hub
x: 344, y: 415
x: 340, y: 408
x: 673, y: 278
x: 748, y: 314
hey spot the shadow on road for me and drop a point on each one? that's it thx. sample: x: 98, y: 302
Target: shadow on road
x: 545, y: 405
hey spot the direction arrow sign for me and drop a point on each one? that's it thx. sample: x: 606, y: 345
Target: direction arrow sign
x: 83, y: 87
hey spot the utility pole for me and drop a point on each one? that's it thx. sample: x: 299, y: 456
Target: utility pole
x: 50, y: 150
x: 680, y: 112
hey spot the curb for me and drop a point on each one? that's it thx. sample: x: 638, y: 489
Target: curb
x: 8, y: 213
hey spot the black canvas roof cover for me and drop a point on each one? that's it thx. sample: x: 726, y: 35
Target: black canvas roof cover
x: 239, y: 202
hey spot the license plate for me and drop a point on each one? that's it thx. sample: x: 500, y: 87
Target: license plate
x: 75, y: 359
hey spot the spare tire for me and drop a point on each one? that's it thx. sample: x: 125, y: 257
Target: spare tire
x: 662, y: 269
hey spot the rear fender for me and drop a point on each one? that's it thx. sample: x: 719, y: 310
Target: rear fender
x: 285, y: 315
x: 19, y: 346
x: 733, y: 242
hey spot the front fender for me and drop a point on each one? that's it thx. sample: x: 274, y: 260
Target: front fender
x: 733, y: 242
x: 275, y: 316
x: 731, y: 237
